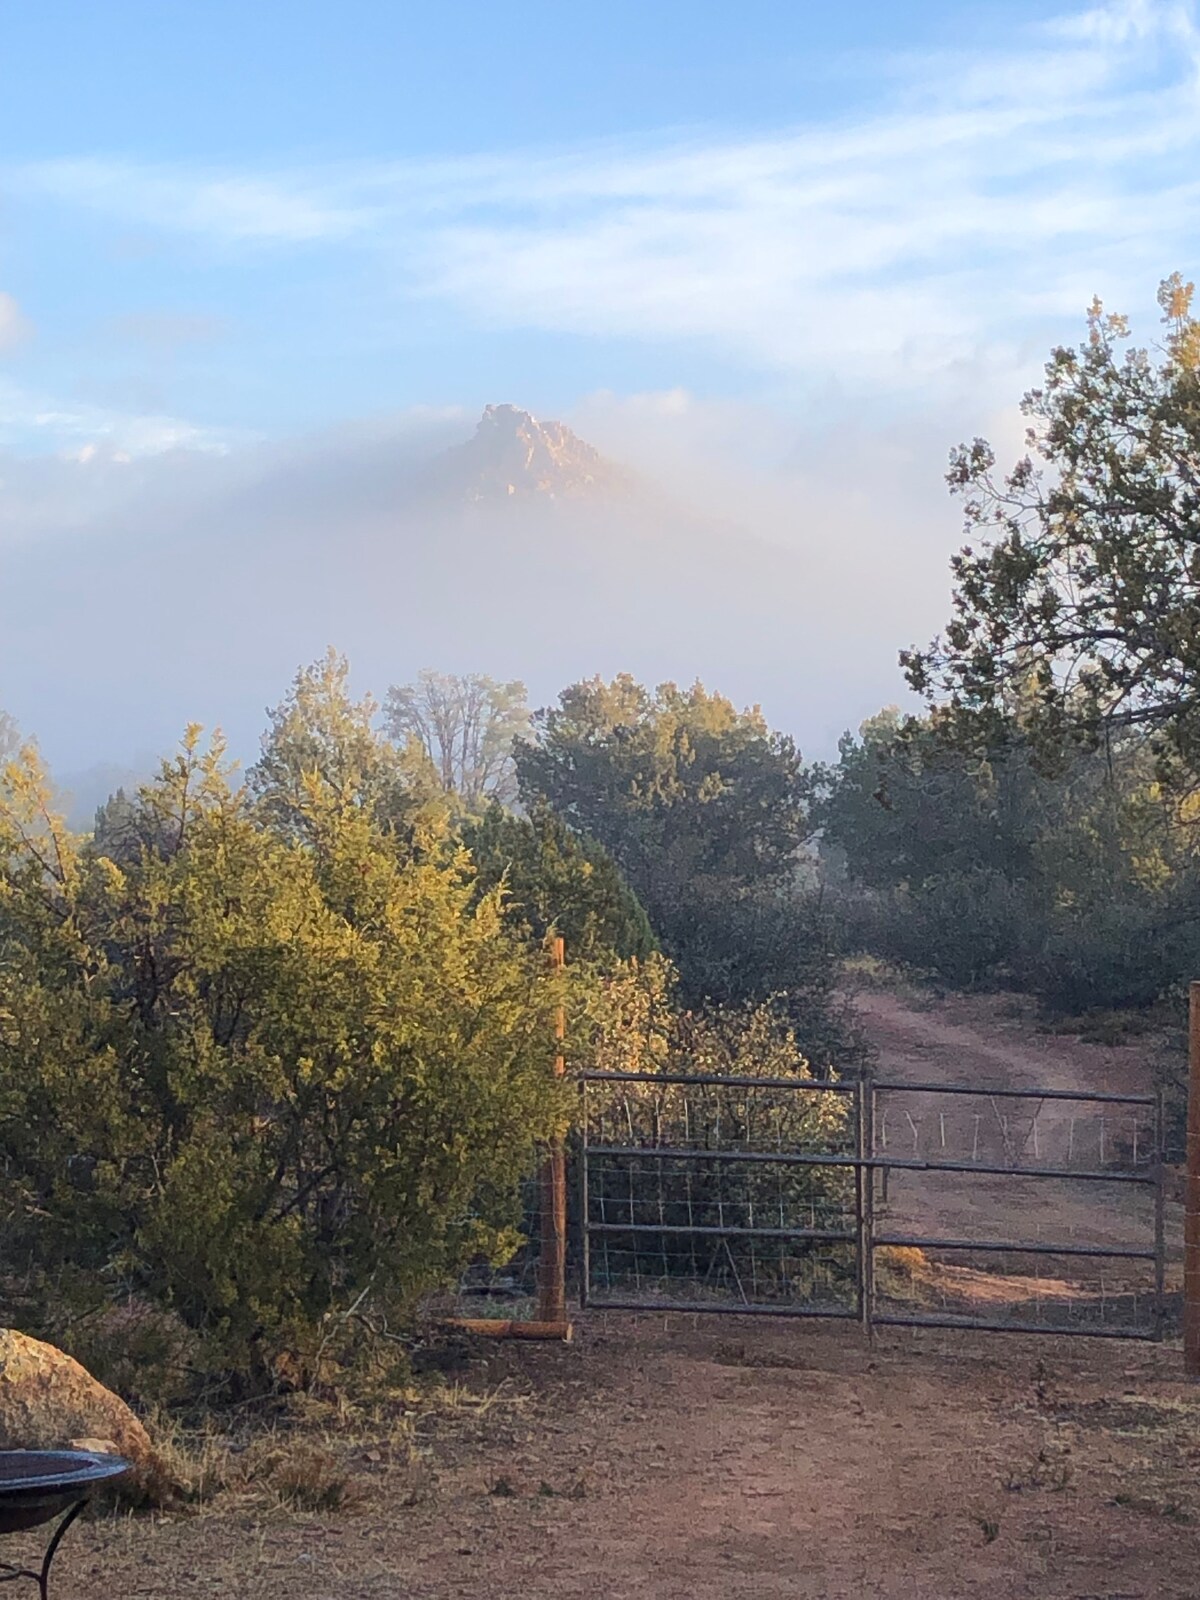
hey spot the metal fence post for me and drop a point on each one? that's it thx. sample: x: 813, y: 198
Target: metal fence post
x: 867, y: 1191
x: 585, y: 1238
x: 864, y: 1197
x: 1160, y: 1216
x: 1191, y: 1204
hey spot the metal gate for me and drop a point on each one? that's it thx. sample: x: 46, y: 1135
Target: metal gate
x: 1081, y: 1176
x: 723, y: 1194
x: 872, y: 1201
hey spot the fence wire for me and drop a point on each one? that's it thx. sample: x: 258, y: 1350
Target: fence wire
x: 1018, y: 1209
x: 735, y: 1194
x: 899, y: 1203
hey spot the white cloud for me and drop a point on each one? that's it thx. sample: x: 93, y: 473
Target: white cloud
x: 231, y: 207
x: 887, y: 249
x: 893, y: 247
x: 1129, y: 21
x: 28, y: 418
x: 14, y: 326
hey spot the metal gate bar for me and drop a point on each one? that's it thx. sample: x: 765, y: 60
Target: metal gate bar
x: 1154, y: 1178
x: 790, y: 1158
x: 665, y: 1157
x: 988, y: 1325
x: 982, y: 1091
x: 865, y: 1160
x: 908, y: 1164
x: 994, y: 1246
x: 733, y: 1231
x: 742, y: 1308
x: 721, y: 1081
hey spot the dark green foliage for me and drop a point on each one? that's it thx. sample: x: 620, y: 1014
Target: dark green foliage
x: 781, y: 944
x: 1065, y: 693
x: 704, y: 809
x: 678, y: 785
x: 559, y: 881
x: 1077, y: 882
x: 1082, y: 581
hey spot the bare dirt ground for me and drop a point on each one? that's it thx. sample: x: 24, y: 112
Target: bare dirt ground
x: 674, y: 1456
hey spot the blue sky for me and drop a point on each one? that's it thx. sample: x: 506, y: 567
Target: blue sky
x: 249, y: 219
x: 782, y: 256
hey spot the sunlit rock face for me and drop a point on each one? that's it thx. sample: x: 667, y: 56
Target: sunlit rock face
x: 515, y: 456
x: 49, y: 1402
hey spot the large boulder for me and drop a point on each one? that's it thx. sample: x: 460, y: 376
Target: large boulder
x: 49, y: 1402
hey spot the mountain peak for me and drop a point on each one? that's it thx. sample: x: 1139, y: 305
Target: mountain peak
x: 515, y: 456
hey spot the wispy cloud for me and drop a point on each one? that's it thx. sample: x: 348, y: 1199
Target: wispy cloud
x: 232, y: 207
x: 1129, y: 21
x: 918, y: 237
x: 85, y: 433
x: 885, y: 248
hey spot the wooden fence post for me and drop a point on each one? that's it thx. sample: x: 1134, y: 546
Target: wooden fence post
x: 552, y: 1267
x: 1191, y: 1213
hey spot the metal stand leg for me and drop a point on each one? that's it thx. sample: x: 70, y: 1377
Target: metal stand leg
x: 42, y: 1578
x: 52, y: 1548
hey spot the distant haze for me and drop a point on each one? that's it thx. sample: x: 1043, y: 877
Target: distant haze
x: 201, y: 582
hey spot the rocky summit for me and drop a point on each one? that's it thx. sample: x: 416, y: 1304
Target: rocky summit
x: 514, y: 456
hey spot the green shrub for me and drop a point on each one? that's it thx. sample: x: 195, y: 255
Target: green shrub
x: 259, y: 1078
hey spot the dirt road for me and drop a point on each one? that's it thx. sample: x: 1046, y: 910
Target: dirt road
x: 993, y: 1042
x: 665, y: 1459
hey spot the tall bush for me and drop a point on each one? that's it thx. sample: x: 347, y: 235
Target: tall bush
x: 258, y: 1075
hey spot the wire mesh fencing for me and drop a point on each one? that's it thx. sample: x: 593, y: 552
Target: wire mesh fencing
x: 900, y: 1204
x: 1018, y: 1210
x: 707, y: 1193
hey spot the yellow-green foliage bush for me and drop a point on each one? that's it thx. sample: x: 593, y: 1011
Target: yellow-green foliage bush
x: 258, y: 1075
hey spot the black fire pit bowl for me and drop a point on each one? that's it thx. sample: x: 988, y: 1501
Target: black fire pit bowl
x: 38, y: 1485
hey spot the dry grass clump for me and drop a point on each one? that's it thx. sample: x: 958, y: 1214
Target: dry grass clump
x: 296, y: 1469
x: 200, y: 1459
x: 305, y: 1475
x: 899, y: 1266
x: 327, y: 1449
x: 318, y: 1454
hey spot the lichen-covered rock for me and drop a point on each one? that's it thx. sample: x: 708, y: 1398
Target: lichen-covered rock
x: 49, y: 1402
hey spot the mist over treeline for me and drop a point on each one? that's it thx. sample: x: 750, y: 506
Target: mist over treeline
x: 1031, y: 827
x: 140, y: 593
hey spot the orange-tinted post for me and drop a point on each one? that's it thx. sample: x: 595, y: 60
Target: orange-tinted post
x: 1191, y: 1203
x: 552, y: 1268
